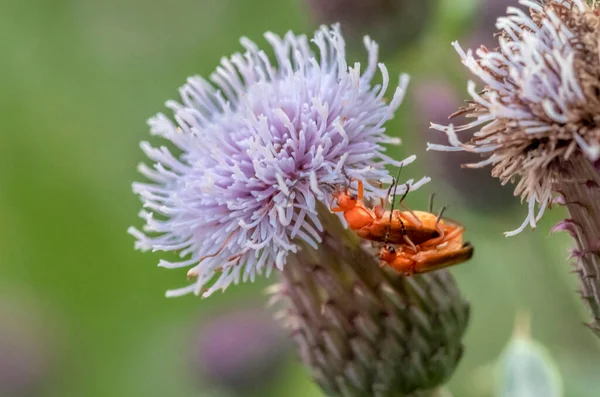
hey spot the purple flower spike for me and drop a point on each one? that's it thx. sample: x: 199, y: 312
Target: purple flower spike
x: 259, y: 146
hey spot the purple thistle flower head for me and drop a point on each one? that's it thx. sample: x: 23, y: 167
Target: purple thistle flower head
x: 259, y: 146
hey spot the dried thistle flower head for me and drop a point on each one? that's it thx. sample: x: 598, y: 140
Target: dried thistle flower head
x: 537, y: 120
x: 538, y: 109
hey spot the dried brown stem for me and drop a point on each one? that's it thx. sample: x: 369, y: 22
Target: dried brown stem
x: 581, y: 192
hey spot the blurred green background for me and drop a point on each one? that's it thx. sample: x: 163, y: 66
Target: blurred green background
x: 83, y: 314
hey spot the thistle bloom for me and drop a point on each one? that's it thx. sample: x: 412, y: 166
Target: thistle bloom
x: 250, y: 189
x: 537, y: 119
x: 258, y: 150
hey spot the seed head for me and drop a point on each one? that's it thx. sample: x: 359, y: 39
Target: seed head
x: 538, y: 109
x: 537, y: 120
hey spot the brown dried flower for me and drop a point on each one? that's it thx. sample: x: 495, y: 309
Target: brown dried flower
x: 537, y: 119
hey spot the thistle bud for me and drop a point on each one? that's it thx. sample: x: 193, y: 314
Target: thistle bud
x: 364, y: 330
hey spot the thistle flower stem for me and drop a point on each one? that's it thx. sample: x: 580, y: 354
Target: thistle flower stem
x: 581, y: 194
x: 364, y: 330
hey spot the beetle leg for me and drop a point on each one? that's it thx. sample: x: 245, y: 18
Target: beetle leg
x: 409, y: 241
x: 389, y: 226
x: 401, y: 204
x: 444, y: 237
x: 431, y: 202
x: 405, y: 193
x: 403, y: 265
x: 334, y: 209
x: 437, y: 222
x: 360, y: 188
x: 378, y: 211
x: 385, y: 201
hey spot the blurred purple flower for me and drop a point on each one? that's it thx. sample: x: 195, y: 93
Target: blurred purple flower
x: 24, y: 351
x: 392, y: 23
x: 240, y: 351
x: 435, y: 100
x: 488, y: 11
x: 258, y: 152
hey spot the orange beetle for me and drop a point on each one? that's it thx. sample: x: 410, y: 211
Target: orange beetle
x: 396, y: 227
x: 413, y: 241
x: 437, y: 253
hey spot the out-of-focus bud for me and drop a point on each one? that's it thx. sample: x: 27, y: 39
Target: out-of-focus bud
x: 25, y: 354
x: 488, y: 12
x: 485, y: 17
x: 240, y: 351
x: 392, y: 23
x: 526, y: 368
x: 434, y: 101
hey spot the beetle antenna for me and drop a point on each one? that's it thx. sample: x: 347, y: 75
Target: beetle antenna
x: 387, y: 196
x: 395, y: 185
x: 389, y: 226
x: 439, y: 218
x: 431, y: 202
